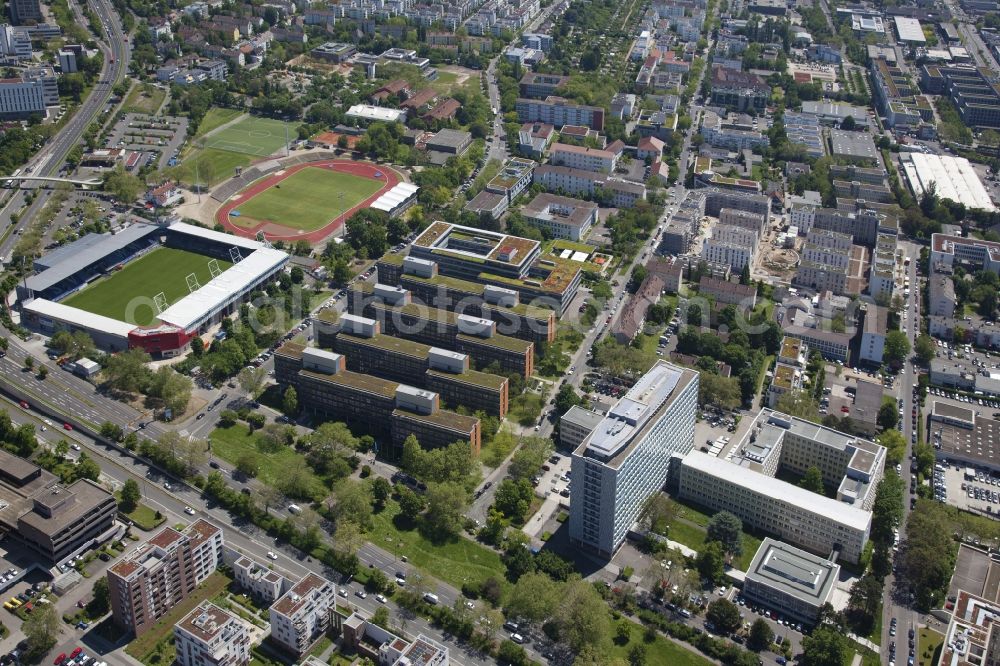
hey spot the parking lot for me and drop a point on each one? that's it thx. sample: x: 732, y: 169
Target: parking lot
x: 152, y: 135
x: 979, y: 494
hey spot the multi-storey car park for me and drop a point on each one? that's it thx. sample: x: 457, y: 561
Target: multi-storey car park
x: 174, y: 325
x: 746, y: 485
x: 625, y: 458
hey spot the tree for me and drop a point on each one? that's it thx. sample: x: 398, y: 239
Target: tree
x: 86, y: 468
x: 895, y: 445
x: 864, y: 603
x: 352, y: 500
x: 657, y: 513
x: 724, y: 614
x: 122, y: 185
x: 42, y: 630
x: 824, y: 647
x: 251, y: 380
x: 897, y: 348
x: 348, y: 537
x: 43, y: 372
x: 513, y: 498
x: 297, y: 275
x: 566, y: 398
x: 248, y: 464
x: 290, y: 402
x: 924, y: 348
x: 582, y: 618
x: 637, y: 654
x: 888, y: 414
x: 446, y: 504
x: 100, y: 603
x: 171, y: 388
x: 381, y: 490
x: 512, y: 653
x: 726, y: 529
x: 130, y: 496
x: 745, y: 275
x: 529, y: 458
x: 848, y: 123
x: 533, y: 597
x: 127, y: 371
x: 410, y: 504
x: 711, y: 561
x: 714, y: 389
x: 812, y: 481
x: 761, y: 635
x: 623, y: 632
x: 381, y: 617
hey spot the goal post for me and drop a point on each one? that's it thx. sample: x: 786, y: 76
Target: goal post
x: 262, y: 239
x: 234, y: 254
x: 160, y: 302
x: 192, y: 283
x: 213, y: 268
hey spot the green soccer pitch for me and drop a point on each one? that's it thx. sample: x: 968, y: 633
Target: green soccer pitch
x: 252, y: 135
x: 164, y: 269
x: 307, y: 200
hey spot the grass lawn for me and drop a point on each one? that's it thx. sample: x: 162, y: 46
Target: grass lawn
x: 444, y: 82
x: 496, y: 450
x: 162, y: 270
x: 232, y: 442
x: 156, y: 641
x: 144, y: 99
x: 929, y: 644
x: 308, y: 199
x: 143, y: 516
x: 216, y: 117
x: 876, y: 634
x: 659, y: 652
x: 455, y: 562
x: 693, y: 535
x: 252, y: 135
x: 208, y: 166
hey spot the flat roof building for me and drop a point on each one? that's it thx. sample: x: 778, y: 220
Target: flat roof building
x: 971, y: 253
x: 210, y: 635
x: 369, y: 113
x: 857, y: 146
x: 563, y: 217
x: 973, y: 635
x: 626, y: 457
x: 790, y: 580
x: 961, y: 435
x: 909, y: 30
x: 302, y: 615
x: 953, y: 177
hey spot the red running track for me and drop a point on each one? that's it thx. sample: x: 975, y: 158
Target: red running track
x: 273, y: 231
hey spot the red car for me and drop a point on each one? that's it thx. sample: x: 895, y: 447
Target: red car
x: 60, y: 659
x: 67, y: 426
x: 75, y: 653
x: 23, y: 404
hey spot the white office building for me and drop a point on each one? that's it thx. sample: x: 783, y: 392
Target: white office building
x: 625, y: 459
x: 29, y: 93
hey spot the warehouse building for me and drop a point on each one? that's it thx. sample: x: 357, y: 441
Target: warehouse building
x: 953, y: 177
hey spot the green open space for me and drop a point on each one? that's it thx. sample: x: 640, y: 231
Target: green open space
x: 155, y: 647
x: 144, y: 98
x: 252, y: 135
x: 209, y: 167
x: 144, y: 517
x: 308, y: 199
x: 659, y: 651
x: 689, y: 528
x: 455, y: 562
x: 233, y: 442
x: 929, y: 644
x: 216, y: 117
x: 127, y: 294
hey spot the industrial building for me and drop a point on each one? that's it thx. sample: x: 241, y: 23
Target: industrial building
x: 326, y: 387
x: 790, y: 581
x: 960, y: 435
x: 150, y: 580
x: 953, y: 178
x: 909, y: 31
x: 973, y: 634
x: 625, y: 458
x: 856, y: 146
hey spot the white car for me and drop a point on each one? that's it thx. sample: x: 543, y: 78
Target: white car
x: 271, y: 555
x: 75, y: 447
x: 380, y: 598
x: 189, y: 511
x: 342, y: 592
x: 361, y: 594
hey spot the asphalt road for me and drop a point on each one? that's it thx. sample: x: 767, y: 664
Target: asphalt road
x: 52, y: 155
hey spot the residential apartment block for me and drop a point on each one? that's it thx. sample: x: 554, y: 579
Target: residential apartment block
x: 941, y: 297
x: 302, y: 615
x: 746, y: 485
x: 873, y: 334
x: 563, y: 217
x: 581, y: 157
x: 740, y: 91
x: 147, y: 582
x: 625, y: 458
x: 716, y: 200
x: 209, y: 635
x: 562, y: 179
x: 326, y: 387
x: 731, y: 134
x: 264, y: 585
x: 789, y: 370
x: 558, y: 112
x: 539, y: 86
x: 832, y: 345
x: 381, y: 646
x: 730, y: 293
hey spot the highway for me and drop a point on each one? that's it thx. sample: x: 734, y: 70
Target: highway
x: 51, y: 157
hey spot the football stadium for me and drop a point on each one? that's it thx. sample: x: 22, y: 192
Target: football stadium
x: 148, y: 286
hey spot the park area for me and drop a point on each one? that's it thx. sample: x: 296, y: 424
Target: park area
x: 127, y: 294
x: 306, y: 200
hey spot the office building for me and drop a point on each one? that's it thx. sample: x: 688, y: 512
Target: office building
x: 895, y: 97
x: 790, y: 581
x: 210, y: 636
x: 302, y: 615
x: 557, y: 111
x: 746, y: 484
x: 873, y: 334
x: 150, y: 580
x: 327, y: 388
x: 625, y: 458
x: 831, y: 113
x: 563, y: 217
x: 959, y: 434
x: 973, y: 635
x: 972, y: 254
x: 501, y: 260
x: 445, y: 372
x: 334, y: 52
x: 855, y: 146
x: 50, y: 519
x: 15, y: 43
x: 23, y: 11
x: 30, y: 93
x: 832, y: 345
x: 581, y: 157
x: 971, y: 89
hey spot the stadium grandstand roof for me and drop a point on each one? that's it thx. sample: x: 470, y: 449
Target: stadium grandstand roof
x: 217, y: 236
x: 88, y: 254
x: 193, y: 308
x: 60, y: 312
x: 397, y: 195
